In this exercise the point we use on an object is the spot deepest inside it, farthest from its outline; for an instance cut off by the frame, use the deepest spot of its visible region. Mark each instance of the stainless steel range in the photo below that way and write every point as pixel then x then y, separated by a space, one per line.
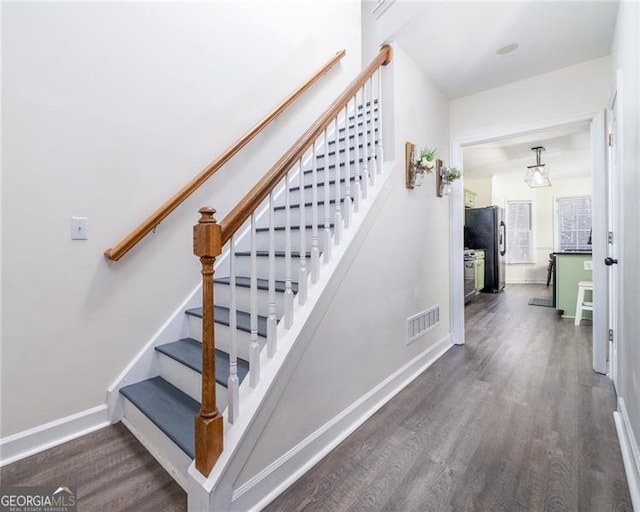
pixel 469 274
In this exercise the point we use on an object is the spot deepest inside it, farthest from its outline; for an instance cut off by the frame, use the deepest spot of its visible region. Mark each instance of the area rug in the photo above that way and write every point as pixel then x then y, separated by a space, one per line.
pixel 536 301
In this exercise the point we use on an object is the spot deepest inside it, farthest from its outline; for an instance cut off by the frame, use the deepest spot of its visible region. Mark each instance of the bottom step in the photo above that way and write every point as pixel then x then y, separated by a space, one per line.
pixel 171 410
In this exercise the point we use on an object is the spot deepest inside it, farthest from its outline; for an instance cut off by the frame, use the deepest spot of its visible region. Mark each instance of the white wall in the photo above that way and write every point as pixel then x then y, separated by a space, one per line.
pixel 626 58
pixel 402 268
pixel 109 108
pixel 556 96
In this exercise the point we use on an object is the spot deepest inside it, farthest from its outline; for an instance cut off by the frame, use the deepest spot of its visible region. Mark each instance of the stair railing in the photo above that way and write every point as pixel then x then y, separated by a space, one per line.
pixel 361 101
pixel 153 220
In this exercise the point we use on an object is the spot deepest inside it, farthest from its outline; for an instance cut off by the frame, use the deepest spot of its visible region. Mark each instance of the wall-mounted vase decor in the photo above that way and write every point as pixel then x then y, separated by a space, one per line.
pixel 446 176
pixel 418 166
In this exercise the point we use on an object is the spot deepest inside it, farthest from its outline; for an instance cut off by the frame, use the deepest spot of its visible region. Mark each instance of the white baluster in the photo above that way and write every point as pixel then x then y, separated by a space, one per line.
pixel 380 125
pixel 315 241
pixel 364 153
pixel 356 156
pixel 302 273
pixel 233 383
pixel 327 200
pixel 254 347
pixel 347 169
pixel 272 320
pixel 337 223
pixel 288 292
pixel 372 127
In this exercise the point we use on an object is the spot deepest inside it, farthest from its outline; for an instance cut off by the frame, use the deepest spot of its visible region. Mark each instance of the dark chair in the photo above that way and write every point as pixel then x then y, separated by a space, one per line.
pixel 551 267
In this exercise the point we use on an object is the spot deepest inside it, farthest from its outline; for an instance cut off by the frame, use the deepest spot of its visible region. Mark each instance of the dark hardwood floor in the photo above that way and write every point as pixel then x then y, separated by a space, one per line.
pixel 110 469
pixel 515 420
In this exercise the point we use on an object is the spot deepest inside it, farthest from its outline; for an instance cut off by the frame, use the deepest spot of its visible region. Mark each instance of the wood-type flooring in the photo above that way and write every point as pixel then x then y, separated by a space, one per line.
pixel 516 420
pixel 513 421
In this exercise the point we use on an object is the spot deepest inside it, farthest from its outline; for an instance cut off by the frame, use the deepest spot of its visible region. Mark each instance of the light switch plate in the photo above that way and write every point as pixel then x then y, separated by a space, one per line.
pixel 79 228
pixel 588 265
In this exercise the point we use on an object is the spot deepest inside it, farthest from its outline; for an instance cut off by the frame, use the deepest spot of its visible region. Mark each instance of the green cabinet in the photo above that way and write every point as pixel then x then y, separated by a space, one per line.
pixel 479 270
pixel 570 269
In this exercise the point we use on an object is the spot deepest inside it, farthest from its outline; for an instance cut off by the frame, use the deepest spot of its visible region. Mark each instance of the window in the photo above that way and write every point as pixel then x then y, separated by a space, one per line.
pixel 573 223
pixel 519 232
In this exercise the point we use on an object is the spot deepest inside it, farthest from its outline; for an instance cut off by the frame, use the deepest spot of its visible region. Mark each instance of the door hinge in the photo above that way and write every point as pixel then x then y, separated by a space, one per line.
pixel 610 334
pixel 611 140
pixel 610 237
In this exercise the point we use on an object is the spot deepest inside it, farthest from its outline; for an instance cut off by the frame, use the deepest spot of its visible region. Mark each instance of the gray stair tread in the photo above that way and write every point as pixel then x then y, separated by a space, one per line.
pixel 278 254
pixel 171 410
pixel 331 182
pixel 243 319
pixel 189 352
pixel 293 228
pixel 263 284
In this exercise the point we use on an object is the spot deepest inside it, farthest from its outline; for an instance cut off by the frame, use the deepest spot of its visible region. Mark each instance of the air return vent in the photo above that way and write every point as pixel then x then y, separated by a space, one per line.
pixel 423 322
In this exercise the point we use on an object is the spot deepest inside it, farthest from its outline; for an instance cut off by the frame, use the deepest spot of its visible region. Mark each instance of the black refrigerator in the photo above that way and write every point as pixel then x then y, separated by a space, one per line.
pixel 484 228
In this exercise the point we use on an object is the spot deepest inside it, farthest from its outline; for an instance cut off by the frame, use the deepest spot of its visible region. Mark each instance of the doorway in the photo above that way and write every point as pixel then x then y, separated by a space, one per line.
pixel 457 149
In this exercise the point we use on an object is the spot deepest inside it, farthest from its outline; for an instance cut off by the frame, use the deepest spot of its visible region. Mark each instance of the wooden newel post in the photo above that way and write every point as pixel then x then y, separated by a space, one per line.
pixel 207 244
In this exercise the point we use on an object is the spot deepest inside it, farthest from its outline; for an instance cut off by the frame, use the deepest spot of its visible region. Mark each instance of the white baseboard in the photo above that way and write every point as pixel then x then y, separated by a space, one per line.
pixel 37 439
pixel 263 488
pixel 526 281
pixel 630 452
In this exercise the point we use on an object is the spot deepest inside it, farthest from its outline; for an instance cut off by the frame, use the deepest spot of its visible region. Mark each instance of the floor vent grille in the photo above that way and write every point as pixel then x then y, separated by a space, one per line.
pixel 421 323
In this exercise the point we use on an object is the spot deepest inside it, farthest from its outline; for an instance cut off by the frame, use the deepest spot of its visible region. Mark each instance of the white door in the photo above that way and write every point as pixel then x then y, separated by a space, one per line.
pixel 613 245
pixel 599 242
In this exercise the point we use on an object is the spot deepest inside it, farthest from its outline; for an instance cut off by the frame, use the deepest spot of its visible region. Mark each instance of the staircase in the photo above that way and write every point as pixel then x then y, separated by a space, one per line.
pixel 160 410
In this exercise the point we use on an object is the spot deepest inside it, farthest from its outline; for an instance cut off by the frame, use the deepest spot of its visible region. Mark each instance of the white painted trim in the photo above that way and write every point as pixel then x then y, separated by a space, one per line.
pixel 263 488
pixel 456 250
pixel 37 439
pixel 630 452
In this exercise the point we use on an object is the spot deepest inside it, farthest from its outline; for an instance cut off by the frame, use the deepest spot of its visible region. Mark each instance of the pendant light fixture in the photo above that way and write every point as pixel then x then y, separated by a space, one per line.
pixel 537 175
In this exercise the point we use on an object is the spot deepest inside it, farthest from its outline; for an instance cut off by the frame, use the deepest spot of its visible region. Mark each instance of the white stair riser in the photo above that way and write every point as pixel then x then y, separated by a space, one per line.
pixel 223 337
pixel 280 215
pixel 222 296
pixel 262 238
pixel 243 267
pixel 308 194
pixel 164 450
pixel 187 380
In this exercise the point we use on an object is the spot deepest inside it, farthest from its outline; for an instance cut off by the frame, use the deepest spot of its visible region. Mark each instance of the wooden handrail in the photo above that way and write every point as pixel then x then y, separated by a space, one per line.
pixel 236 217
pixel 208 239
pixel 151 222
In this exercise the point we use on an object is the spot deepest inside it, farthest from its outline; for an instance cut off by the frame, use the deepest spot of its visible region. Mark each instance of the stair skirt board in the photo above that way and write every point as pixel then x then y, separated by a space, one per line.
pixel 166 452
pixel 259 402
pixel 269 483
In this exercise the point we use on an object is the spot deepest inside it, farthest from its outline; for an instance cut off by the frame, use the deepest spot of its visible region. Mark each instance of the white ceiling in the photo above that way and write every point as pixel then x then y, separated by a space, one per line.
pixel 567 154
pixel 456 42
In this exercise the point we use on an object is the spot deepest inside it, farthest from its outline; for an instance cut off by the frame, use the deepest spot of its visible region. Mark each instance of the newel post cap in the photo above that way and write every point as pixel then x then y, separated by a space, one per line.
pixel 207 234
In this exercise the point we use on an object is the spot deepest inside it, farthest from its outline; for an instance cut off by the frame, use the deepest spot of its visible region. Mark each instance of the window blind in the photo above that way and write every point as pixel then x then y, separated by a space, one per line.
pixel 519 232
pixel 573 223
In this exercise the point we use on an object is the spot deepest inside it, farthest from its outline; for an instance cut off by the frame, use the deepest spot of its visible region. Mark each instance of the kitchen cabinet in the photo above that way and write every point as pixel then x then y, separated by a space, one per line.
pixel 569 270
pixel 479 270
pixel 469 198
